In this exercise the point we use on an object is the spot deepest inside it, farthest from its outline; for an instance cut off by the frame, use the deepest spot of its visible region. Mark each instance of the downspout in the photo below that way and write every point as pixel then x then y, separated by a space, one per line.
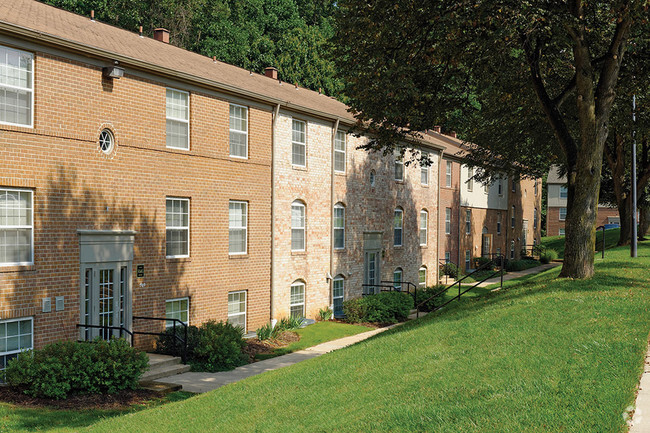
pixel 460 203
pixel 331 273
pixel 437 264
pixel 276 114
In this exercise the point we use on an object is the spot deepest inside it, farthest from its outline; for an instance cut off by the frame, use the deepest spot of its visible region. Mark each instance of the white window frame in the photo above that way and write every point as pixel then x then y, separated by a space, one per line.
pixel 424 173
pixel 298 283
pixel 564 192
pixel 338 279
pixel 178 228
pixel 400 211
pixel 30 91
pixel 20 319
pixel 187 121
pixel 561 232
pixel 470 179
pixel 447 257
pixel 422 283
pixel 512 250
pixel 512 218
pixel 447 220
pixel 468 221
pixel 170 323
pixel 231 130
pixel 239 292
pixel 244 227
pixel 298 143
pixel 468 259
pixel 535 219
pixel 397 283
pixel 398 163
pixel 21 227
pixel 341 207
pixel 560 212
pixel 340 152
pixel 424 229
pixel 448 174
pixel 299 203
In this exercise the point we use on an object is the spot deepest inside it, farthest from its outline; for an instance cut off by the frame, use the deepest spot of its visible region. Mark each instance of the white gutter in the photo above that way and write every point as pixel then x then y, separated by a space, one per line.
pixel 276 114
pixel 331 273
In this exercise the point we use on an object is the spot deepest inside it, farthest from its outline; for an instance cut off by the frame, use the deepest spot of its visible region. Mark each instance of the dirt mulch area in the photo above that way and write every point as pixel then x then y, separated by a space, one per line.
pixel 121 400
pixel 255 346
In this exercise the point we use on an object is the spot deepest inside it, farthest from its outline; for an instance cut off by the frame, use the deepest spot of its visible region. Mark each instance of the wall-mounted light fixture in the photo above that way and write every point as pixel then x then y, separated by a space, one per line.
pixel 113 71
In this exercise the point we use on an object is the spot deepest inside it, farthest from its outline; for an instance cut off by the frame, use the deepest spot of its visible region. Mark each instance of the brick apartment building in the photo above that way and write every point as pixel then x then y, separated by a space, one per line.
pixel 557 202
pixel 140 179
pixel 483 220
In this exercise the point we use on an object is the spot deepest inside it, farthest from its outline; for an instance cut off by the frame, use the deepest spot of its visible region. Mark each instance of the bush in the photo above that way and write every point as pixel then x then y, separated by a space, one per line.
pixel 285 324
pixel 325 314
pixel 68 367
pixel 520 265
pixel 450 269
pixel 548 256
pixel 424 295
pixel 214 346
pixel 385 307
pixel 480 261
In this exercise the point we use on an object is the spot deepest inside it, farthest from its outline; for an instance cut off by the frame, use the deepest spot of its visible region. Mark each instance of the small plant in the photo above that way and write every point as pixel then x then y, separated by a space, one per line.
pixel 265 332
pixel 548 256
pixel 325 314
pixel 285 324
pixel 385 307
pixel 69 367
pixel 450 269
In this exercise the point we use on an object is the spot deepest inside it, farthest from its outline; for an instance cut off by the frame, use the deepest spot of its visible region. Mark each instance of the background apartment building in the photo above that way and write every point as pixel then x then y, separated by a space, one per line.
pixel 557 203
pixel 482 220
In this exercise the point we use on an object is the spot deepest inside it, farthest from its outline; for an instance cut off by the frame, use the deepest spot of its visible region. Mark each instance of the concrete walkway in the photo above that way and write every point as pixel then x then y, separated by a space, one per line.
pixel 204 382
pixel 519 274
pixel 640 422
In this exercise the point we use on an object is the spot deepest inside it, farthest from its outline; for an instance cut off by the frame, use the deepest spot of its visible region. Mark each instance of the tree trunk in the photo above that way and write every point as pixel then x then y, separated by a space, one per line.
pixel 624 214
pixel 644 223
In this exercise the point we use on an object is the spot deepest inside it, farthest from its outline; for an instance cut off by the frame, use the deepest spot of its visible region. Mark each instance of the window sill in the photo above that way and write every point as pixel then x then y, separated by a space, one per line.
pixel 17 268
pixel 298 253
pixel 238 256
pixel 340 250
pixel 424 247
pixel 424 186
pixel 398 247
pixel 179 259
pixel 298 167
pixel 339 173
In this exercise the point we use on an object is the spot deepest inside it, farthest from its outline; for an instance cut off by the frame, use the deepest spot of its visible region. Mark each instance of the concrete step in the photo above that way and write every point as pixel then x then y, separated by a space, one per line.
pixel 157 360
pixel 160 388
pixel 163 366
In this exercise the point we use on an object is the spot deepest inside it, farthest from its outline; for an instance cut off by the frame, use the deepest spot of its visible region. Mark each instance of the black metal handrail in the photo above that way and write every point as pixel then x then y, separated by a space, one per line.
pixel 497 261
pixel 390 285
pixel 107 328
pixel 177 338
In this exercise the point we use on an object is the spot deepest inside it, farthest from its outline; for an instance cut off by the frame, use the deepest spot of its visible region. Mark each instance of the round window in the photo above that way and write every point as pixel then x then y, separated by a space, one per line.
pixel 106 141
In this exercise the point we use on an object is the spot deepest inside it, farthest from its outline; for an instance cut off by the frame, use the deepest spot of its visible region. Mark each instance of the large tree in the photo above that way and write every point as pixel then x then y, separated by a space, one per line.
pixel 534 82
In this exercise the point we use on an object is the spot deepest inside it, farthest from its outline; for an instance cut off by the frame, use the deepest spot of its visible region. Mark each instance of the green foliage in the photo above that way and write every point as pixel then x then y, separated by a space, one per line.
pixel 325 314
pixel 547 256
pixel 213 346
pixel 450 269
pixel 385 307
pixel 426 295
pixel 285 324
pixel 480 261
pixel 265 332
pixel 68 367
pixel 520 265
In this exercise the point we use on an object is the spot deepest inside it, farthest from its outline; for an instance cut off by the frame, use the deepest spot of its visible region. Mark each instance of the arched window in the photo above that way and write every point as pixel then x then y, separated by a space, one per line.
pixel 298 226
pixel 339 226
pixel 398 225
pixel 397 279
pixel 422 276
pixel 297 300
pixel 424 222
pixel 338 294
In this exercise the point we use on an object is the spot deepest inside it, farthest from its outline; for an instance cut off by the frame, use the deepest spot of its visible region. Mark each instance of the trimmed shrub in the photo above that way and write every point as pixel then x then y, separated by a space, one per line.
pixel 548 256
pixel 68 367
pixel 213 346
pixel 385 307
pixel 450 269
pixel 480 261
pixel 426 293
pixel 520 265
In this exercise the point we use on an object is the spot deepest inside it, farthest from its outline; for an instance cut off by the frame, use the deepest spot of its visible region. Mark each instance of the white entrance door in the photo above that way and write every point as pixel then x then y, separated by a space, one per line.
pixel 106 299
pixel 371 265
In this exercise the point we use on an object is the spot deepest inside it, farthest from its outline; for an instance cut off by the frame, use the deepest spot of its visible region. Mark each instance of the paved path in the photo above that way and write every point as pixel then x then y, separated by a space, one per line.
pixel 640 423
pixel 519 274
pixel 203 382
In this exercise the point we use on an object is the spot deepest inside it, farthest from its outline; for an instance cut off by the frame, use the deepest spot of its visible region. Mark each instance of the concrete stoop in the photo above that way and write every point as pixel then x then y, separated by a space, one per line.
pixel 161 366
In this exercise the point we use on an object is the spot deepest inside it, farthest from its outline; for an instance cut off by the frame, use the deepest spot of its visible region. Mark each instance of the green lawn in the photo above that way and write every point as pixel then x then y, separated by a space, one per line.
pixel 543 355
pixel 16 419
pixel 317 333
pixel 557 242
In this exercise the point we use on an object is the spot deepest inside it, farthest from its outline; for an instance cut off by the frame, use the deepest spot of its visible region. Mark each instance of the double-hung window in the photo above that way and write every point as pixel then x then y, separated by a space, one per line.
pixel 564 192
pixel 297 299
pixel 238 131
pixel 500 187
pixel 424 171
pixel 399 167
pixel 562 213
pixel 178 119
pixel 339 226
pixel 178 227
pixel 448 221
pixel 468 221
pixel 468 259
pixel 535 218
pixel 16 227
pixel 339 152
pixel 177 309
pixel 397 279
pixel 16 335
pixel 512 218
pixel 470 179
pixel 238 227
pixel 422 277
pixel 448 174
pixel 424 221
pixel 237 309
pixel 298 143
pixel 298 223
pixel 398 225
pixel 16 87
pixel 338 292
pixel 499 223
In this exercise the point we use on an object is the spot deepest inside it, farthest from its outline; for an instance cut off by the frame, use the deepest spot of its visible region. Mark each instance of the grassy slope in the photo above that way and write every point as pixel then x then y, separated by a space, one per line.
pixel 557 242
pixel 544 355
pixel 317 333
pixel 17 419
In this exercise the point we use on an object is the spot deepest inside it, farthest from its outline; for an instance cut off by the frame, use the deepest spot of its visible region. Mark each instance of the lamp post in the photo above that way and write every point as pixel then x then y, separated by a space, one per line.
pixel 633 177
